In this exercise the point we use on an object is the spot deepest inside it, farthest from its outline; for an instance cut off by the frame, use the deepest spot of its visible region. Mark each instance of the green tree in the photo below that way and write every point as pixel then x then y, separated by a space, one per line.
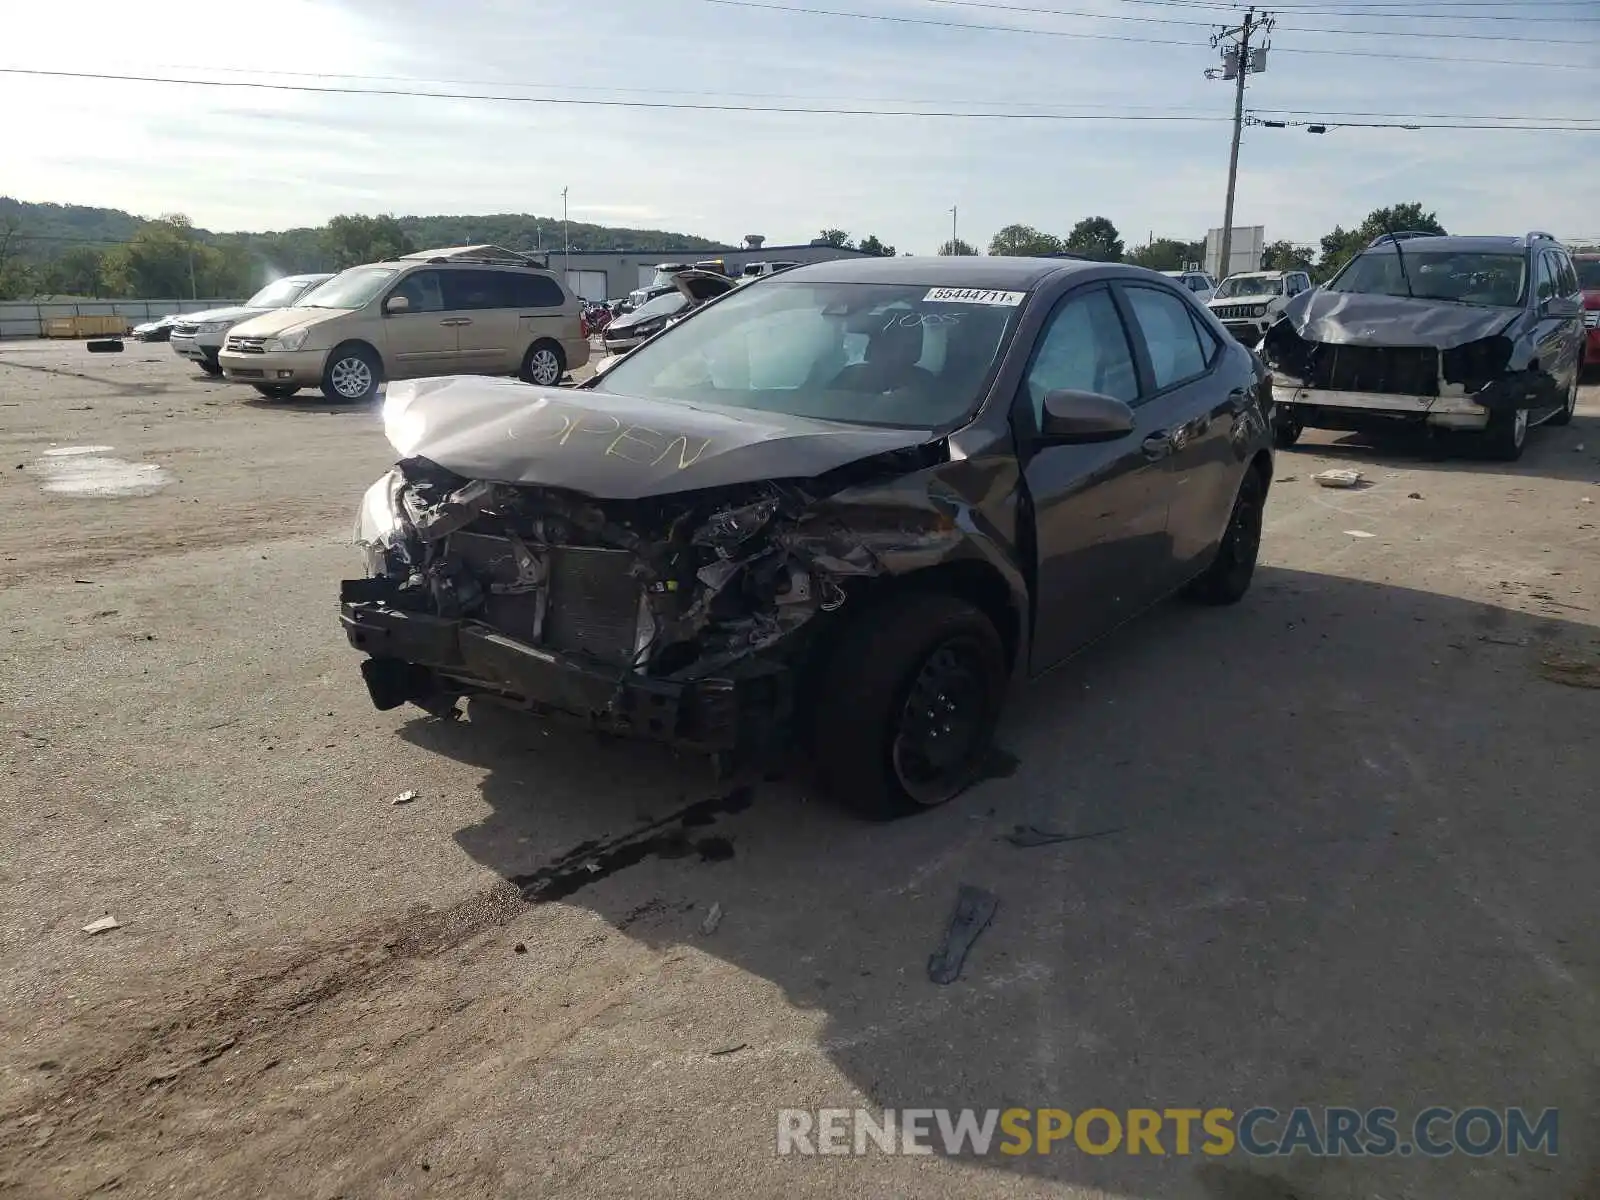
pixel 1097 238
pixel 163 259
pixel 834 237
pixel 871 245
pixel 1023 240
pixel 957 247
pixel 76 271
pixel 1286 256
pixel 16 276
pixel 1167 254
pixel 1340 246
pixel 354 239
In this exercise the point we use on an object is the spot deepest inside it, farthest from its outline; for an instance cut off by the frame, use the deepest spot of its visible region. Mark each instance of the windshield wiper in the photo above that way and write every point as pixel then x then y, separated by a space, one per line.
pixel 1400 256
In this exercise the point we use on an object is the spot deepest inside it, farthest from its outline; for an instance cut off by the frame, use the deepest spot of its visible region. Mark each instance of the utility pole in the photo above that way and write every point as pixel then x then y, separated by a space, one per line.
pixel 955 240
pixel 566 238
pixel 1239 59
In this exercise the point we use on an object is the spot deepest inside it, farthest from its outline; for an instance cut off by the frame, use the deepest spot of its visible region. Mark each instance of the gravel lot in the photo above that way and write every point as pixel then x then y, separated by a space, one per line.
pixel 1354 858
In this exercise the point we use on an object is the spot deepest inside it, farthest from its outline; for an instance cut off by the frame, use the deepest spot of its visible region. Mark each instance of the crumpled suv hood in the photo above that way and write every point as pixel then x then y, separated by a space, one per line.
pixel 614 447
pixel 1359 319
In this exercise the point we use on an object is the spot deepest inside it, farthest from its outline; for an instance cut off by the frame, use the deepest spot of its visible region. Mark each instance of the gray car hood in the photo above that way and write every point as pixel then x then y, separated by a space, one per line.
pixel 1358 319
pixel 614 447
pixel 222 314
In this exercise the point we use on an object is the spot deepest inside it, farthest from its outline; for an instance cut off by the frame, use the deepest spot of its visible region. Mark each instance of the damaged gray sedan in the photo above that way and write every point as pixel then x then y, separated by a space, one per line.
pixel 836 510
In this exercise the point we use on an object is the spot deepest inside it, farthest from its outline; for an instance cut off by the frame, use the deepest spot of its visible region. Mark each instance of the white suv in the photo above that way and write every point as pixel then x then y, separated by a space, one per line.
pixel 1198 282
pixel 1249 302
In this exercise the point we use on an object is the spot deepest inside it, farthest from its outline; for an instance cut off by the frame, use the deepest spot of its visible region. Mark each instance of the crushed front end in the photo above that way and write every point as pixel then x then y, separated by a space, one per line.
pixel 677 618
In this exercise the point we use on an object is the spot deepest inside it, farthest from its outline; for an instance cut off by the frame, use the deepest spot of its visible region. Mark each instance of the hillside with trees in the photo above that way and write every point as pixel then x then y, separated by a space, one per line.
pixel 64 249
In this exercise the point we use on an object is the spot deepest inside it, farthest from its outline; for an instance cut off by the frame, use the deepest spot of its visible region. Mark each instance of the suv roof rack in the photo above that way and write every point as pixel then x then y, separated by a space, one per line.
pixel 1400 235
pixel 472 254
pixel 1535 235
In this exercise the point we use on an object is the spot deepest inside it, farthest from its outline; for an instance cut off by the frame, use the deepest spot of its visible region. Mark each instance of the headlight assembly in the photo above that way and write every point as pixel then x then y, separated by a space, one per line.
pixel 287 343
pixel 379 523
pixel 213 326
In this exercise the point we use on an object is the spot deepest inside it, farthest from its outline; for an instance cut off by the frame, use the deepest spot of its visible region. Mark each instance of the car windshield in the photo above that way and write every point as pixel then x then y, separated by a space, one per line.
pixel 1588 273
pixel 1236 286
pixel 279 294
pixel 1486 279
pixel 349 289
pixel 866 354
pixel 662 306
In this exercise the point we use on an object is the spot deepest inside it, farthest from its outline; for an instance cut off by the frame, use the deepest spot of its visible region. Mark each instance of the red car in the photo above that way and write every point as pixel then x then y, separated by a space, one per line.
pixel 1588 266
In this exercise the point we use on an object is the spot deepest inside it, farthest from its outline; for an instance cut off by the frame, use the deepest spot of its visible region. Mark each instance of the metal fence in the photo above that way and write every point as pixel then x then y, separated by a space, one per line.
pixel 26 318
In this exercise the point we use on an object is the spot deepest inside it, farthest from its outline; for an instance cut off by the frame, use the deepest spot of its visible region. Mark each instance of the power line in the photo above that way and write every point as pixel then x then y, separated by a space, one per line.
pixel 1485 122
pixel 1114 37
pixel 1341 9
pixel 1383 33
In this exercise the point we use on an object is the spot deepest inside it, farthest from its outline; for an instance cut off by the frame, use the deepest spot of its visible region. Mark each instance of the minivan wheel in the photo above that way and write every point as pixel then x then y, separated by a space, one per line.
pixel 1228 577
pixel 908 705
pixel 1564 417
pixel 353 374
pixel 277 391
pixel 543 364
pixel 1507 435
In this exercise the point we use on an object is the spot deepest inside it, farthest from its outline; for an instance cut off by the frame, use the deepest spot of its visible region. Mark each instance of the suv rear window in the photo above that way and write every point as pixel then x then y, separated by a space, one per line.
pixel 1588 273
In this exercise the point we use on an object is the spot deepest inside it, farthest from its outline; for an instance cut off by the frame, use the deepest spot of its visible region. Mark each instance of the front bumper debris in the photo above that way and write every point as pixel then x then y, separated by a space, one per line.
pixel 417 657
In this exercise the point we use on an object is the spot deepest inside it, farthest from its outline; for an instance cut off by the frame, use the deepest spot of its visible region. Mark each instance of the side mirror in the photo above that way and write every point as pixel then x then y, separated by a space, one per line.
pixel 1080 417
pixel 396 304
pixel 1562 308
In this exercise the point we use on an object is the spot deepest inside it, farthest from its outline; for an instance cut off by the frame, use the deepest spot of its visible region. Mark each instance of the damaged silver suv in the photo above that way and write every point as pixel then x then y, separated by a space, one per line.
pixel 1452 333
pixel 838 508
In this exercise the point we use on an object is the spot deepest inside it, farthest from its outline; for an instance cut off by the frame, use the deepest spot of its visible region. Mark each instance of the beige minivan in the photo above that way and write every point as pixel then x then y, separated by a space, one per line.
pixel 464 310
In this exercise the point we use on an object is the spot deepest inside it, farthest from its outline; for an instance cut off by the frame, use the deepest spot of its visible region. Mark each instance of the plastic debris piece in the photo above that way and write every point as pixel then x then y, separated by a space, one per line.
pixel 713 919
pixel 1414 496
pixel 1338 477
pixel 733 1049
pixel 405 797
pixel 975 908
pixel 1028 836
pixel 104 925
pixel 1360 533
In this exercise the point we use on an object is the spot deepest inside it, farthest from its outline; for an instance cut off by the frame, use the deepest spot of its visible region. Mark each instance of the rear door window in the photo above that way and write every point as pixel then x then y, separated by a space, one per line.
pixel 531 290
pixel 1170 335
pixel 472 290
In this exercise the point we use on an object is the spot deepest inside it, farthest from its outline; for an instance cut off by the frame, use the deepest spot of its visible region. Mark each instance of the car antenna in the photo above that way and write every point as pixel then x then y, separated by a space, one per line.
pixel 1400 254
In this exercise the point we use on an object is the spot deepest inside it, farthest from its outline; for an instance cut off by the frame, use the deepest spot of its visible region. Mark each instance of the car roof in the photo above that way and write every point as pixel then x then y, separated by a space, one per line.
pixel 1458 242
pixel 994 273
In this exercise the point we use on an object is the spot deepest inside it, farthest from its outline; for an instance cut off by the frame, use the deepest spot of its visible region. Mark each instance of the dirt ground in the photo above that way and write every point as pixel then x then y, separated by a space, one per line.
pixel 1350 859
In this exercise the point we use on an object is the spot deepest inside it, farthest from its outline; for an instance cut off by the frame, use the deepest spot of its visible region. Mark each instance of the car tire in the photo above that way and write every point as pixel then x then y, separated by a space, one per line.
pixel 1506 435
pixel 906 670
pixel 210 366
pixel 1228 577
pixel 352 374
pixel 1564 417
pixel 277 391
pixel 1286 431
pixel 543 364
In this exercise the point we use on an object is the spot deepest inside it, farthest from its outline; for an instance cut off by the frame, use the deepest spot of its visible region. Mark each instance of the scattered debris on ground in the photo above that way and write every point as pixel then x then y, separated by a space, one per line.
pixel 975 908
pixel 1028 836
pixel 1286 479
pixel 1360 533
pixel 104 925
pixel 1338 477
pixel 713 919
pixel 1414 496
pixel 724 1051
pixel 405 797
pixel 1573 672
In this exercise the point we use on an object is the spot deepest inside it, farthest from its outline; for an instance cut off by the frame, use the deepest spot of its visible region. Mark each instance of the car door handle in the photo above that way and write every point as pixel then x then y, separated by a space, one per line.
pixel 456 321
pixel 1157 445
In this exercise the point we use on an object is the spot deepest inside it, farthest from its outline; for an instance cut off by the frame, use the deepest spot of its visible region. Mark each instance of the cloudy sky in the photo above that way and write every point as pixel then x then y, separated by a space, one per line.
pixel 245 158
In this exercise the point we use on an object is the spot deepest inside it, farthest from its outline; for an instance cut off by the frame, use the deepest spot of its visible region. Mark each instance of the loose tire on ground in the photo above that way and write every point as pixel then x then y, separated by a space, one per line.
pixel 1286 431
pixel 210 366
pixel 881 708
pixel 1228 577
pixel 352 374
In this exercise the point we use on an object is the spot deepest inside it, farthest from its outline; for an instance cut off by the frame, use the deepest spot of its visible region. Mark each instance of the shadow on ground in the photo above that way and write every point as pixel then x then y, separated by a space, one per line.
pixel 1570 452
pixel 1355 867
